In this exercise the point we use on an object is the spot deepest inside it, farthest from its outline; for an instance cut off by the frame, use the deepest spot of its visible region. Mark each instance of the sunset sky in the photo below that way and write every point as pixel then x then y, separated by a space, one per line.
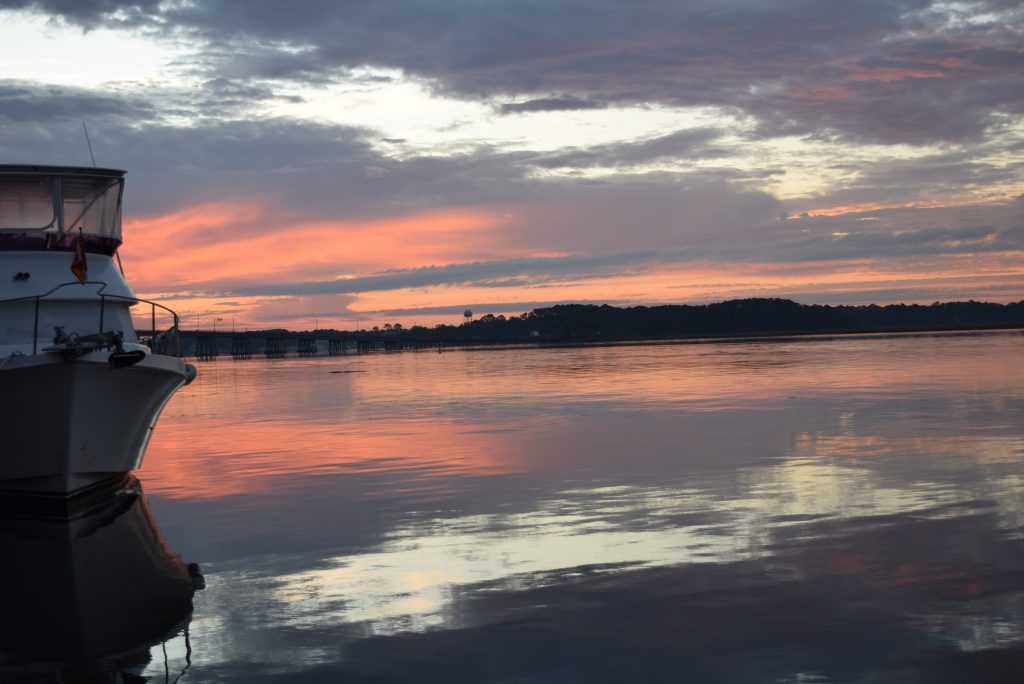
pixel 372 162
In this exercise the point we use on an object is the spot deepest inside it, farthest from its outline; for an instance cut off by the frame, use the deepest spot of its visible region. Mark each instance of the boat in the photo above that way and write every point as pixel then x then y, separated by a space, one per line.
pixel 80 391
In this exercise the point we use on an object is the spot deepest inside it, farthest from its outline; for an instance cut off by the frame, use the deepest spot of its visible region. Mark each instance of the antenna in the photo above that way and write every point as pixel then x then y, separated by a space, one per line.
pixel 89 143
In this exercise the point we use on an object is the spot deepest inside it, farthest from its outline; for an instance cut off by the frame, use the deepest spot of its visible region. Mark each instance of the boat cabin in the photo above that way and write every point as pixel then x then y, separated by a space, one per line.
pixel 60 229
pixel 48 207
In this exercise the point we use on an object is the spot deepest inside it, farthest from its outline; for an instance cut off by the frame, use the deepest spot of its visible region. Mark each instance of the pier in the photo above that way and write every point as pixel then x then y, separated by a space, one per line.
pixel 241 347
pixel 207 345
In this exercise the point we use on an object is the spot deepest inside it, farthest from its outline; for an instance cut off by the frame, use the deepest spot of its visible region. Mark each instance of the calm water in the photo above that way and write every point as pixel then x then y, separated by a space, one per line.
pixel 816 510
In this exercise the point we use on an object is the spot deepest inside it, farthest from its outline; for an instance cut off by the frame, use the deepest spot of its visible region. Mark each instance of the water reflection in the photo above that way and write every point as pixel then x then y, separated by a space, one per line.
pixel 833 510
pixel 901 599
pixel 85 596
pixel 412 578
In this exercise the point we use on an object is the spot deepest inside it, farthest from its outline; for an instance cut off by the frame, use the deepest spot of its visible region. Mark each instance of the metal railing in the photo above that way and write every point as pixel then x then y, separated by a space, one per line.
pixel 176 327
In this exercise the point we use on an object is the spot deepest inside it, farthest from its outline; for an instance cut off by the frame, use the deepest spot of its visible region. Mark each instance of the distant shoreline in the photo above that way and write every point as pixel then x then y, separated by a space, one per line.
pixel 772 336
pixel 827 333
pixel 574 341
pixel 584 324
pixel 761 337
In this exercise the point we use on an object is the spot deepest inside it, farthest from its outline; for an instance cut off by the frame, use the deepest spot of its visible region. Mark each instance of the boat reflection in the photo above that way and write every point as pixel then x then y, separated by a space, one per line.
pixel 87 592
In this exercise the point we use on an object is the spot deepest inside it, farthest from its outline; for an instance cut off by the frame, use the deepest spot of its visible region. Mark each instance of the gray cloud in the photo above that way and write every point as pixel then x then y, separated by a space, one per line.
pixel 26 103
pixel 497 272
pixel 479 308
pixel 877 244
pixel 945 176
pixel 92 13
pixel 549 104
pixel 882 70
pixel 237 95
pixel 691 145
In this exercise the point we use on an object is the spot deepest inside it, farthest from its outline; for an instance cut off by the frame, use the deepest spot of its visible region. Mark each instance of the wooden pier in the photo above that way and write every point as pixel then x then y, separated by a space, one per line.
pixel 275 348
pixel 241 347
pixel 207 345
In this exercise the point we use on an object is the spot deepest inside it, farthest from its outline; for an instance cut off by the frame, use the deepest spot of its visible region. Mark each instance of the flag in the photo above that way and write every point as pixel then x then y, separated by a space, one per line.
pixel 78 265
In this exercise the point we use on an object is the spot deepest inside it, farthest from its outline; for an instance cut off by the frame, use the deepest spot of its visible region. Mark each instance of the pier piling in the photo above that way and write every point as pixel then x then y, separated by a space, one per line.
pixel 206 347
pixel 241 348
pixel 275 348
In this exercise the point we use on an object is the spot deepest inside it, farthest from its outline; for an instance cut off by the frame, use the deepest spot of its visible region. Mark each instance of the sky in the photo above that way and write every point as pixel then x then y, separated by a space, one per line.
pixel 343 164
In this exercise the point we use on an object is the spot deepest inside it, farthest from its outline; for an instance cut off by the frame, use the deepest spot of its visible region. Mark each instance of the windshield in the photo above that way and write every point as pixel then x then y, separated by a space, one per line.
pixel 92 204
pixel 60 203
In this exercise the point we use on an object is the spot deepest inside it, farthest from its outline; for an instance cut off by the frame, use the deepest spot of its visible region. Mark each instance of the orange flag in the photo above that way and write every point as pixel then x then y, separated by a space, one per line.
pixel 78 265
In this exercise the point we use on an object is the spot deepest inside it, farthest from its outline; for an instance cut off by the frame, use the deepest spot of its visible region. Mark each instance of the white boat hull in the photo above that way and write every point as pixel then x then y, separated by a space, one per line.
pixel 68 424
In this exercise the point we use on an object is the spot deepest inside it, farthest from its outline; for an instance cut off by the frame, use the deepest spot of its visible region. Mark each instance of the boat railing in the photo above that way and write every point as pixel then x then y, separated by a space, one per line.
pixel 173 337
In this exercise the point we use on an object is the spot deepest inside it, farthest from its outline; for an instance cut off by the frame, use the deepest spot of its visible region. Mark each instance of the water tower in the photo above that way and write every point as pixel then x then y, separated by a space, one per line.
pixel 468 315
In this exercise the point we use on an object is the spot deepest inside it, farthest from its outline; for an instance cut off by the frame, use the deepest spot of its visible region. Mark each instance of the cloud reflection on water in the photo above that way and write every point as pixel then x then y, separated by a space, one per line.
pixel 411 580
pixel 831 507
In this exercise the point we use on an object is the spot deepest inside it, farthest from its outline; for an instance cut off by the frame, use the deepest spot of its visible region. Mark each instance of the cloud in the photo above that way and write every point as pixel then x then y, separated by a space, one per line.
pixel 690 145
pixel 906 71
pixel 810 253
pixel 950 177
pixel 513 272
pixel 657 202
pixel 311 171
pixel 883 245
pixel 909 71
pixel 549 104
pixel 31 104
pixel 92 13
pixel 478 309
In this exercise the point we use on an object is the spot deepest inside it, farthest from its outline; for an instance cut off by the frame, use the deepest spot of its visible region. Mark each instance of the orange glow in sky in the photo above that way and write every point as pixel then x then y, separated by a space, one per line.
pixel 200 260
pixel 245 241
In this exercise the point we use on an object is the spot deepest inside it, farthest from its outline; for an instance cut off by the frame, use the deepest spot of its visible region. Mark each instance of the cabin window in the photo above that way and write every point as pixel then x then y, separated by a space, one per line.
pixel 48 202
pixel 27 203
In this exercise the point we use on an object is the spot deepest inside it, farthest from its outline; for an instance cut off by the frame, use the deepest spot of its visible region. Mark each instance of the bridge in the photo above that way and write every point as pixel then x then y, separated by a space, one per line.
pixel 208 344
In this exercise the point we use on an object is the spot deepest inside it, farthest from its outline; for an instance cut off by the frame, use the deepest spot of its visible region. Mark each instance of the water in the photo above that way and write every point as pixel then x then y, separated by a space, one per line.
pixel 813 510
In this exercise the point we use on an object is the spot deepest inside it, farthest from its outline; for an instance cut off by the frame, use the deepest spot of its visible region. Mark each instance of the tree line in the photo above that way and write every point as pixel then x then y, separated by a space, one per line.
pixel 733 317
